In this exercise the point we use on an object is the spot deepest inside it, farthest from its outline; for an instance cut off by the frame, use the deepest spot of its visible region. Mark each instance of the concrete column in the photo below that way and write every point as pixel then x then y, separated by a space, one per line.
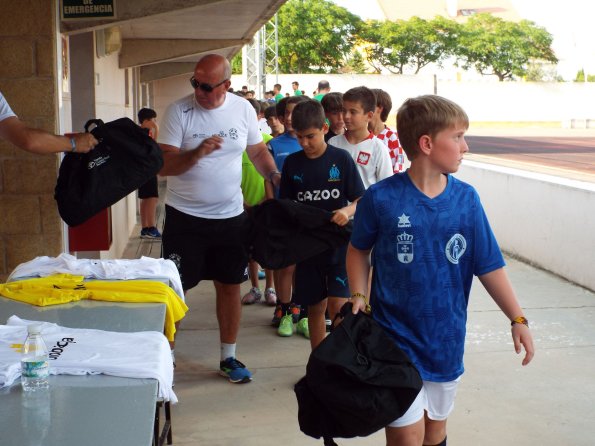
pixel 82 79
pixel 29 222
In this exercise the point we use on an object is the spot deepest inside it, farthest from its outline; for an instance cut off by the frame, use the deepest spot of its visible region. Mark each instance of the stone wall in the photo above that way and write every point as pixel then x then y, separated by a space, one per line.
pixel 29 222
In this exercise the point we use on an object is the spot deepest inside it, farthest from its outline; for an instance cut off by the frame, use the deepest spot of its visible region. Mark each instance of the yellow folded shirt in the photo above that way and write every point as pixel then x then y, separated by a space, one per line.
pixel 63 288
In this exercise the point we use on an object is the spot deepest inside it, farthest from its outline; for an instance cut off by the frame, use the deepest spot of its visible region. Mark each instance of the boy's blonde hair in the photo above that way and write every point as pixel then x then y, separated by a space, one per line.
pixel 426 115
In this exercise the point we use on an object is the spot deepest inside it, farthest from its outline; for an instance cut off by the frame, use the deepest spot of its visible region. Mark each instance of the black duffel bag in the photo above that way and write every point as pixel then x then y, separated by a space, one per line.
pixel 125 159
pixel 357 381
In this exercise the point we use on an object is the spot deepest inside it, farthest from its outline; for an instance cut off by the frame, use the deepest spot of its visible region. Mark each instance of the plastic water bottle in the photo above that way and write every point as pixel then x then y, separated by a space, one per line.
pixel 35 416
pixel 34 361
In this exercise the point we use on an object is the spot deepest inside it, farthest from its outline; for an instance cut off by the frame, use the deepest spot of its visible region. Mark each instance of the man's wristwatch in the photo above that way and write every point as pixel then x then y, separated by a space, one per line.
pixel 520 320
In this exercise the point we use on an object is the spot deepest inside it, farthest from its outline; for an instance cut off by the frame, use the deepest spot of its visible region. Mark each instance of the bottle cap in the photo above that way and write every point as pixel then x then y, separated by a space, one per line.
pixel 34 329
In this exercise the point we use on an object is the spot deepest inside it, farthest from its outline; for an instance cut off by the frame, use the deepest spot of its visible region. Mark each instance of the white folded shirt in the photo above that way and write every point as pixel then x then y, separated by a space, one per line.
pixel 109 269
pixel 77 351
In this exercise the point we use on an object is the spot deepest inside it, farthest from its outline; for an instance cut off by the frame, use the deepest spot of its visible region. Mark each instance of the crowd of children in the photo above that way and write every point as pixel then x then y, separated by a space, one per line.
pixel 424 231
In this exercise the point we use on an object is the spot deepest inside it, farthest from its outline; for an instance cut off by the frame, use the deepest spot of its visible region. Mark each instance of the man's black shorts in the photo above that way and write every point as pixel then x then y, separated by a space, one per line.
pixel 149 189
pixel 205 249
pixel 321 276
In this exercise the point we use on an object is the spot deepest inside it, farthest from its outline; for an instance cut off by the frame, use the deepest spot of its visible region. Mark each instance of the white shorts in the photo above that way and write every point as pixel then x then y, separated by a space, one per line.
pixel 437 399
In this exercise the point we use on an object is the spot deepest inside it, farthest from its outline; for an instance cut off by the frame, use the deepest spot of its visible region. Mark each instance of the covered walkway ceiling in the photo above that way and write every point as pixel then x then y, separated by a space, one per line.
pixel 166 38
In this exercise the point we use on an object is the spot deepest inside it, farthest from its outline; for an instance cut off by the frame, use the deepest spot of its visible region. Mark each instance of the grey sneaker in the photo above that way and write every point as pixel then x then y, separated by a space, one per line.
pixel 252 296
pixel 270 296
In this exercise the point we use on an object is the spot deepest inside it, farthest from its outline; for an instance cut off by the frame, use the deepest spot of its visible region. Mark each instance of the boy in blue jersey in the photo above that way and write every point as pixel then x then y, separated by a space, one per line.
pixel 325 177
pixel 429 236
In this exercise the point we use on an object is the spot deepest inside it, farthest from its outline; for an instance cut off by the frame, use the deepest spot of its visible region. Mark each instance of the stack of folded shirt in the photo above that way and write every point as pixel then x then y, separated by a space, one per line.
pixel 75 351
pixel 63 288
pixel 108 269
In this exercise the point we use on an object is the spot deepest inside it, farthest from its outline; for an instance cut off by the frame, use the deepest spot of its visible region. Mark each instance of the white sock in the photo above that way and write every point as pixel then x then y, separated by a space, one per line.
pixel 227 351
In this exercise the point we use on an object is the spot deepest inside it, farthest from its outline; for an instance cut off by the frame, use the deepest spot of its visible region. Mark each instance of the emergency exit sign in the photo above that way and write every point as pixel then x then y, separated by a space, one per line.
pixel 88 9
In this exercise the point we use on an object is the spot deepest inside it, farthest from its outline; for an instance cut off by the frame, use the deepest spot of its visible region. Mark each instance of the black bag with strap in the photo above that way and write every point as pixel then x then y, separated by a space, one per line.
pixel 125 159
pixel 357 381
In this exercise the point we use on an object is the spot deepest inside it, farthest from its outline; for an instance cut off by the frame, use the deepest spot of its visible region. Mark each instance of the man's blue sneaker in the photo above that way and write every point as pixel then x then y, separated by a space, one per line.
pixel 235 371
pixel 150 233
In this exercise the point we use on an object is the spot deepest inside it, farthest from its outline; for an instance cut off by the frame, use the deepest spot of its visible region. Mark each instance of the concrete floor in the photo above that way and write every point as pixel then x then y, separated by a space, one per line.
pixel 549 402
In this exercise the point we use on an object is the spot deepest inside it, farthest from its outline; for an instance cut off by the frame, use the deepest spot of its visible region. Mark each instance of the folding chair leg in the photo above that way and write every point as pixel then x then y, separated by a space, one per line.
pixel 156 424
pixel 168 420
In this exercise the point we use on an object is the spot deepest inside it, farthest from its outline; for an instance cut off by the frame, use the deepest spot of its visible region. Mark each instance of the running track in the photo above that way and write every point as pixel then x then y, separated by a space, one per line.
pixel 572 153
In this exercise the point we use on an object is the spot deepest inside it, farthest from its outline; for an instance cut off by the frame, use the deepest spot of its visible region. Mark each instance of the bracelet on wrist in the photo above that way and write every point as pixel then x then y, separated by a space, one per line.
pixel 273 173
pixel 72 144
pixel 520 320
pixel 363 296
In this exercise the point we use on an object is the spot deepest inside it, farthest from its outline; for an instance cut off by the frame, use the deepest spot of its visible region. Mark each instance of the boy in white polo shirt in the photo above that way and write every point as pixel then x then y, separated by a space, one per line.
pixel 370 156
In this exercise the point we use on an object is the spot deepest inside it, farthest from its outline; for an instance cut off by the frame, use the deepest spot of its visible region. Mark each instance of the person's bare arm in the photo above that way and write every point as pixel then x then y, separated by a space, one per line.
pixel 41 142
pixel 269 190
pixel 341 216
pixel 358 271
pixel 500 289
pixel 264 162
pixel 176 162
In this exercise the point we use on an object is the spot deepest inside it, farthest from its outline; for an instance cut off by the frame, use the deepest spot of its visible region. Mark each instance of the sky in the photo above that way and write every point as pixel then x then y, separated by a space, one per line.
pixel 569 21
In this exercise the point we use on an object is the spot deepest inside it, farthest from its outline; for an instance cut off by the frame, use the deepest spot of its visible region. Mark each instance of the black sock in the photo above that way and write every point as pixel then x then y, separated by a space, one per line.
pixel 285 307
pixel 442 443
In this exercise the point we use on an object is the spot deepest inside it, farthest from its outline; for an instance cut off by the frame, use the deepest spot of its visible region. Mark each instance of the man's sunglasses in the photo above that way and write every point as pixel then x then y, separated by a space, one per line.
pixel 207 88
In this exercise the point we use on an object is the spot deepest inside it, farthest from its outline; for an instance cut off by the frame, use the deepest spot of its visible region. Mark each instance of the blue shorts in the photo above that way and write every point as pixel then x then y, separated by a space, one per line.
pixel 321 276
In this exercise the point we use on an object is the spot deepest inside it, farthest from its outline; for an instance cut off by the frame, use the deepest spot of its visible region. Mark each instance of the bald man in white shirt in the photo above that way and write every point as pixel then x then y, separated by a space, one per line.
pixel 203 137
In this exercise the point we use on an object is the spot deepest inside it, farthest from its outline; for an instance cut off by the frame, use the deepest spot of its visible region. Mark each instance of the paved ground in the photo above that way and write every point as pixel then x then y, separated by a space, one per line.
pixel 551 402
pixel 548 403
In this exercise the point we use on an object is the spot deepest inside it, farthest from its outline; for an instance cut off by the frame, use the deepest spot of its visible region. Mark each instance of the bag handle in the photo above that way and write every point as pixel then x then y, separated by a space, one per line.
pixel 90 122
pixel 345 310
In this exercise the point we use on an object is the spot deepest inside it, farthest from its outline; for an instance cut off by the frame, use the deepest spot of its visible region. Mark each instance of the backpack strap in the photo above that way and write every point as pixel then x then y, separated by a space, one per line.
pixel 90 122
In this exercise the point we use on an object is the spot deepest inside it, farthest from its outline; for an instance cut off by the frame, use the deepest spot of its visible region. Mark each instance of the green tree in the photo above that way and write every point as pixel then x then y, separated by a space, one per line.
pixel 504 49
pixel 411 43
pixel 236 63
pixel 315 36
pixel 354 63
pixel 540 72
pixel 580 77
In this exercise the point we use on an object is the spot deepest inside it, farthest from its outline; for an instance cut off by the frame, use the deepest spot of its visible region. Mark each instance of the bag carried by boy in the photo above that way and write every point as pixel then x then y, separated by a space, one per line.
pixel 125 159
pixel 357 381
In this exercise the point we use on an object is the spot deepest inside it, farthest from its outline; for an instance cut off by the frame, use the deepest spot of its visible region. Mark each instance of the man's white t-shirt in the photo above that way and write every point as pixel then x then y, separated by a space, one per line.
pixel 5 110
pixel 210 188
pixel 370 156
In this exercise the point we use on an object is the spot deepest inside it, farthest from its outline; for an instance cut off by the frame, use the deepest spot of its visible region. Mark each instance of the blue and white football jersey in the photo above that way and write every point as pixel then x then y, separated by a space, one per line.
pixel 425 253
